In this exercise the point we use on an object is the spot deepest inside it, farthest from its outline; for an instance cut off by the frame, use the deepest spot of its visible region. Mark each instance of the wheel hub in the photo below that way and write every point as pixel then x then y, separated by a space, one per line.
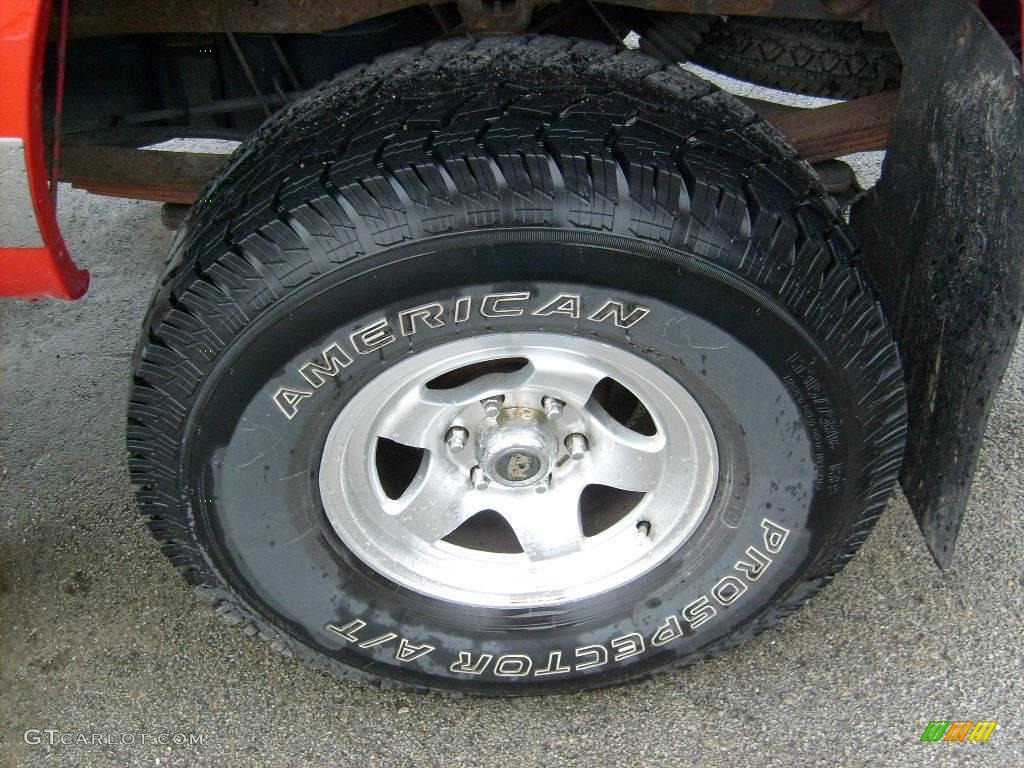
pixel 516 449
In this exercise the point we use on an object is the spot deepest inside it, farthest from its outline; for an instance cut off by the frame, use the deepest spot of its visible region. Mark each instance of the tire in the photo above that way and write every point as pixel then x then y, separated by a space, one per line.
pixel 457 213
pixel 831 59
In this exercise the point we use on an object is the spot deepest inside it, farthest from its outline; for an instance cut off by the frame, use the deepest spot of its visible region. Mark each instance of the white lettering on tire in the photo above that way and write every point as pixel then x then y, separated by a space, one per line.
pixel 338 355
pixel 726 592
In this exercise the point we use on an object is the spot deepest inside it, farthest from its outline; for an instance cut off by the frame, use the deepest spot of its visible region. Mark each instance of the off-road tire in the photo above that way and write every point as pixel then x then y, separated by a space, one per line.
pixel 831 59
pixel 471 166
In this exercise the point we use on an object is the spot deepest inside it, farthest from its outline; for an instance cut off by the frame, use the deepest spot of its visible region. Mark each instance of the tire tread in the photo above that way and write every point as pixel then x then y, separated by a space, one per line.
pixel 306 194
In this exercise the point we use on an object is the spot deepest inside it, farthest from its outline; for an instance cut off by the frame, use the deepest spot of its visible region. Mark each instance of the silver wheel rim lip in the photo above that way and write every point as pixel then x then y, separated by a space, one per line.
pixel 370 524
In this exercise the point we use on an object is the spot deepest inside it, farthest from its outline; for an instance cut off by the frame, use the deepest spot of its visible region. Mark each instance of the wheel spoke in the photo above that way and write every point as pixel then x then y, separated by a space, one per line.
pixel 432 506
pixel 413 420
pixel 420 416
pixel 569 379
pixel 621 458
pixel 549 526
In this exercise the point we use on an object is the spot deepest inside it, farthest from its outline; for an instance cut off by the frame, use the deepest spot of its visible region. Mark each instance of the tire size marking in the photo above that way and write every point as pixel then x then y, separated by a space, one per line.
pixel 727 590
pixel 338 355
pixel 823 424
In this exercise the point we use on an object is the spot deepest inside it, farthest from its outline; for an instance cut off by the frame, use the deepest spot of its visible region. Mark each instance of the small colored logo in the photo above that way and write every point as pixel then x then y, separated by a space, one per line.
pixel 958 730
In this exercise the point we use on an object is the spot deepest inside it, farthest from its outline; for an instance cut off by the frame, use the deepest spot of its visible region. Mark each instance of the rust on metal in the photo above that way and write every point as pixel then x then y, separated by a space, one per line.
pixel 179 177
pixel 846 7
pixel 849 10
pixel 840 129
pixel 141 174
pixel 496 17
pixel 120 17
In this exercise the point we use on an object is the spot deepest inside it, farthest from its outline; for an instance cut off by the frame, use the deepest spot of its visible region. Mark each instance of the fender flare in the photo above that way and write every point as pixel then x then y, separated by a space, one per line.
pixel 34 261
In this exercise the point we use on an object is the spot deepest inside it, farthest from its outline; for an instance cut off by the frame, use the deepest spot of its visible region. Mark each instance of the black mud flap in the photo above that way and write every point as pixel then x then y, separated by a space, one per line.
pixel 943 235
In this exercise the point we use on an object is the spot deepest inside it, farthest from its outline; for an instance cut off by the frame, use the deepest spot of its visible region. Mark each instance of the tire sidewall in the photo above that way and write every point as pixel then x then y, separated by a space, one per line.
pixel 780 412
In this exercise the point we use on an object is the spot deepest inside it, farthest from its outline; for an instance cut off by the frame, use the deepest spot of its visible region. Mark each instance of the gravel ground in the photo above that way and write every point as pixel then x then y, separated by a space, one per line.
pixel 98 635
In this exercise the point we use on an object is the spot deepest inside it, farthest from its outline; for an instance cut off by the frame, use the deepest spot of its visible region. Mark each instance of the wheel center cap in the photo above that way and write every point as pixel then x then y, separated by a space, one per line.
pixel 517 465
pixel 516 448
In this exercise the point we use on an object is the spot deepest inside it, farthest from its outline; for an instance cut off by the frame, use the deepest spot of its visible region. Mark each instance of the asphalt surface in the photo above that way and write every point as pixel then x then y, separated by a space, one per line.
pixel 98 635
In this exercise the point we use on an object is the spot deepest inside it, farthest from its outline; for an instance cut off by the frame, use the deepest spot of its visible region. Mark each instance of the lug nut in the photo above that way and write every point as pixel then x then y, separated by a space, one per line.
pixel 456 439
pixel 553 407
pixel 478 479
pixel 577 445
pixel 542 486
pixel 492 404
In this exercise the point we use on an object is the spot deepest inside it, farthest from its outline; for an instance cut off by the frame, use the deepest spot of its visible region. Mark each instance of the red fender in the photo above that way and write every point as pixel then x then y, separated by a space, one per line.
pixel 34 260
